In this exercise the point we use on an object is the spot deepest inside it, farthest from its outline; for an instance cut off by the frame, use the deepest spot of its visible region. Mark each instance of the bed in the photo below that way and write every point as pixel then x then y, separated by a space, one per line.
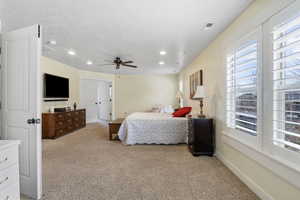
pixel 153 128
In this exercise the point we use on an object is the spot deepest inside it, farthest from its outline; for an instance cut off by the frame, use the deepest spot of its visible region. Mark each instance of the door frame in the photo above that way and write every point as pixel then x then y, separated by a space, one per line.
pixel 113 107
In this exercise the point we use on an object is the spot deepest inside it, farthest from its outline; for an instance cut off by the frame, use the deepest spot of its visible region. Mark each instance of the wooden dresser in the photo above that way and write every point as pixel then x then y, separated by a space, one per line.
pixel 61 123
pixel 9 170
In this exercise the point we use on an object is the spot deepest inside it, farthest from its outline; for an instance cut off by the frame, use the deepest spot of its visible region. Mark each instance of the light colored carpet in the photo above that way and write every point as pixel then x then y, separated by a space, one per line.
pixel 85 165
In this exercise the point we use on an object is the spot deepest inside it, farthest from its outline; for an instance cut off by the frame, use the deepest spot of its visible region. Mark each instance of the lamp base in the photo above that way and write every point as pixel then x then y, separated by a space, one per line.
pixel 201 116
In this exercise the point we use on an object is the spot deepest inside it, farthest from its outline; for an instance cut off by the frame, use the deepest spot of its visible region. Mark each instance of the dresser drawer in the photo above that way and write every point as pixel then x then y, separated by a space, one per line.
pixel 60 132
pixel 60 124
pixel 60 117
pixel 8 157
pixel 114 128
pixel 76 113
pixel 9 176
pixel 70 128
pixel 68 115
pixel 10 193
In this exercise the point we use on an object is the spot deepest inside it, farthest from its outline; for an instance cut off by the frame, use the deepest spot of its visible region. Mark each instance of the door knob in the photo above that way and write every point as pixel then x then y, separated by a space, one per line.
pixel 33 121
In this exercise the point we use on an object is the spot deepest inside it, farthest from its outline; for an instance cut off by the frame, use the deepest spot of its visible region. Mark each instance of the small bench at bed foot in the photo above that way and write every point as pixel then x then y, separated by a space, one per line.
pixel 114 127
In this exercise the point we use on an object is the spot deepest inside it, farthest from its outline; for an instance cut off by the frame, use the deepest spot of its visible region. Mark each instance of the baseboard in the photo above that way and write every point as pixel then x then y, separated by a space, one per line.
pixel 260 192
pixel 96 121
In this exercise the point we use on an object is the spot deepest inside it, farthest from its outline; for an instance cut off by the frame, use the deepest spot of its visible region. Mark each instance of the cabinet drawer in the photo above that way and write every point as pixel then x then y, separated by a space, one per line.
pixel 68 115
pixel 69 121
pixel 76 113
pixel 11 193
pixel 77 125
pixel 76 119
pixel 82 112
pixel 70 128
pixel 8 157
pixel 114 128
pixel 59 132
pixel 9 176
pixel 60 124
pixel 60 116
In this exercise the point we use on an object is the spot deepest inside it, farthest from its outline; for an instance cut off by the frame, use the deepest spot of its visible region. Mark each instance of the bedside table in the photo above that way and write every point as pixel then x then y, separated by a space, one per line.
pixel 201 139
pixel 114 127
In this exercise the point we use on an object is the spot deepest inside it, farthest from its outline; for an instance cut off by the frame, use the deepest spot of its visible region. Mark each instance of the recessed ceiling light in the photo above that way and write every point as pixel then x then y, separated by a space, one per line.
pixel 89 62
pixel 71 52
pixel 52 42
pixel 161 63
pixel 162 52
pixel 208 26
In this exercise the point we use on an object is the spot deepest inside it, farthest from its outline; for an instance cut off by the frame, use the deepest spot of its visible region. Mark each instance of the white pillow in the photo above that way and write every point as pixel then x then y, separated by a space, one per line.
pixel 167 109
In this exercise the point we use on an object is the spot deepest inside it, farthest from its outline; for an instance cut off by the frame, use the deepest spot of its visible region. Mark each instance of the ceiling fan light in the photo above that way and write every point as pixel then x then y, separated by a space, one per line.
pixel 89 62
pixel 161 63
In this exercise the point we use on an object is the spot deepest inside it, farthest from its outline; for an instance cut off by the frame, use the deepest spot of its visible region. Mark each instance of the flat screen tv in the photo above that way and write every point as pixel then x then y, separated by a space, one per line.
pixel 56 86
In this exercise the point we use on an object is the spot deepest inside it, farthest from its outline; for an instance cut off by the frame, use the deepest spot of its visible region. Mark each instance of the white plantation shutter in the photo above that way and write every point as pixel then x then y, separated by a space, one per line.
pixel 286 84
pixel 242 68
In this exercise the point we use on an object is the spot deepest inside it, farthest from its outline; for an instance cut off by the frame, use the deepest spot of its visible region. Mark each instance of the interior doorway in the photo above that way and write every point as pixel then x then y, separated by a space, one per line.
pixel 96 98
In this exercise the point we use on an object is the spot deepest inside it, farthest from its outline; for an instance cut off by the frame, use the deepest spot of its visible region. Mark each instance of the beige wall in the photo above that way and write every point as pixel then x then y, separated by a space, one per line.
pixel 56 68
pixel 212 61
pixel 51 66
pixel 143 92
pixel 132 92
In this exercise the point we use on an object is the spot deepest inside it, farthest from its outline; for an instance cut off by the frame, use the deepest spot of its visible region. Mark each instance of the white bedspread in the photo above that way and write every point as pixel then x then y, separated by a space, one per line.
pixel 153 128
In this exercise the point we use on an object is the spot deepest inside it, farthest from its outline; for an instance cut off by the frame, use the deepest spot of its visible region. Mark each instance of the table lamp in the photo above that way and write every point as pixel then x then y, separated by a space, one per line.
pixel 199 95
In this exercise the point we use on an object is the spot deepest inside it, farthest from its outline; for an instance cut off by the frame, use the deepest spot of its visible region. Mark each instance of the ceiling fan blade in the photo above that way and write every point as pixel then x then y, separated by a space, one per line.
pixel 127 62
pixel 105 64
pixel 133 66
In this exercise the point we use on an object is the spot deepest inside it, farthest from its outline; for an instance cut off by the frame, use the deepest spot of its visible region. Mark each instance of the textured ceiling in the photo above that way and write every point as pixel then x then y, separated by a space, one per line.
pixel 138 30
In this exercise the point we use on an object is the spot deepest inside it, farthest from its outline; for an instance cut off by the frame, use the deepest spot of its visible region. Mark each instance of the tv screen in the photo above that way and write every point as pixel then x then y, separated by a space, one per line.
pixel 55 86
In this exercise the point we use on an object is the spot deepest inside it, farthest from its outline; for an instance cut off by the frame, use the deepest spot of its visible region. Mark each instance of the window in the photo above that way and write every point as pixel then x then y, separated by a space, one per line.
pixel 286 84
pixel 242 70
pixel 263 94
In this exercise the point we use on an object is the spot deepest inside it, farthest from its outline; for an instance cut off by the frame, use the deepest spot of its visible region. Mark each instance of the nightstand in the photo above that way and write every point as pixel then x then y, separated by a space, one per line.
pixel 114 127
pixel 201 139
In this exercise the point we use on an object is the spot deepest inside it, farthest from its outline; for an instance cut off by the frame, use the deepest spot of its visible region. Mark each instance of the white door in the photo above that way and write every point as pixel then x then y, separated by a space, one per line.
pixel 89 99
pixel 104 100
pixel 21 95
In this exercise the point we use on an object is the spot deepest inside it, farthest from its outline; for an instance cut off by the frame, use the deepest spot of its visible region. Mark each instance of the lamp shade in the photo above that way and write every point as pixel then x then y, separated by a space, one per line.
pixel 200 92
pixel 179 95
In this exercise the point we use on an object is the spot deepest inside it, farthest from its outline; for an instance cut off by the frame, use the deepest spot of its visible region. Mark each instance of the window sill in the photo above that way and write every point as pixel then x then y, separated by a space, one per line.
pixel 282 168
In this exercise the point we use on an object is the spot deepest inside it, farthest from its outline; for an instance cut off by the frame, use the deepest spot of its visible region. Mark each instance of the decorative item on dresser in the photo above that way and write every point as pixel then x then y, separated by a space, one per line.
pixel 61 123
pixel 201 139
pixel 9 170
pixel 114 127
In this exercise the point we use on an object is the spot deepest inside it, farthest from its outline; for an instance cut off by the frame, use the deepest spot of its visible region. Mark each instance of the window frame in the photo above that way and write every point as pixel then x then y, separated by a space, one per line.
pixel 244 137
pixel 284 154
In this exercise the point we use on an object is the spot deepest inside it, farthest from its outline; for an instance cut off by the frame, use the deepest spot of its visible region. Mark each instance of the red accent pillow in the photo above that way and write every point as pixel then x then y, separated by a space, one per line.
pixel 182 112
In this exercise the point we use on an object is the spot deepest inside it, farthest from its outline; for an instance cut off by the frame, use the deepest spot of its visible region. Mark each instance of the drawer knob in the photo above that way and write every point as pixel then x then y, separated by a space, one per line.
pixel 3 181
pixel 4 160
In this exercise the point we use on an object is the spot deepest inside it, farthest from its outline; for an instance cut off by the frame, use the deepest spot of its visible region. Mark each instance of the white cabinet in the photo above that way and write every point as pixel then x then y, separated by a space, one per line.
pixel 9 170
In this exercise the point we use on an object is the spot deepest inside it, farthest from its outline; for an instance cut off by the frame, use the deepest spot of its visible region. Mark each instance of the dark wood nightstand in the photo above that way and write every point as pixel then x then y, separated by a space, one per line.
pixel 114 127
pixel 201 139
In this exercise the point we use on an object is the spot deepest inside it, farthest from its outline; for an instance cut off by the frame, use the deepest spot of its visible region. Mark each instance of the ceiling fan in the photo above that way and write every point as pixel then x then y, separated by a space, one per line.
pixel 118 63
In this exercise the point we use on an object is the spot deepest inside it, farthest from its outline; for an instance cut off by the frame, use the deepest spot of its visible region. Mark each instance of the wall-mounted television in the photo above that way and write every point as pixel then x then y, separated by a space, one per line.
pixel 55 87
